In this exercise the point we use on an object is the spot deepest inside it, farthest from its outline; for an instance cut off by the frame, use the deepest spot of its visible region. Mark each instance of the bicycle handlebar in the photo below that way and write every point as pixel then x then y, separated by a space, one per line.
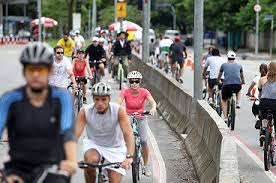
pixel 83 165
pixel 135 114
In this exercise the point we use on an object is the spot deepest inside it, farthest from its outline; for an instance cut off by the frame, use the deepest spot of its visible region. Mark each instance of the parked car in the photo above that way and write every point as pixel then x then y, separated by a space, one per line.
pixel 171 34
pixel 189 40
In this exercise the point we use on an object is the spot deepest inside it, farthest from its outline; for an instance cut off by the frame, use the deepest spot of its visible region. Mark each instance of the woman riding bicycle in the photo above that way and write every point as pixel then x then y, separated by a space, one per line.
pixel 135 98
pixel 267 89
pixel 79 65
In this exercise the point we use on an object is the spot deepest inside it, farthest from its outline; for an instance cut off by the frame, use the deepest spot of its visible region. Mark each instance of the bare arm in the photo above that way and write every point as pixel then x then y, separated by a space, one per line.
pixel 120 100
pixel 127 131
pixel 88 68
pixel 242 78
pixel 80 124
pixel 219 77
pixel 152 104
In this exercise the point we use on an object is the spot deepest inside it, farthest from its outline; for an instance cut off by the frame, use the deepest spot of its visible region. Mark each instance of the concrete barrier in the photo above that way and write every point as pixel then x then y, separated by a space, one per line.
pixel 208 140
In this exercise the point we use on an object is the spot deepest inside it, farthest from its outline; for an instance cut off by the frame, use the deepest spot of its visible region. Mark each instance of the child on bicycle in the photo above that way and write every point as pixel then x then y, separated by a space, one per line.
pixel 135 98
pixel 79 65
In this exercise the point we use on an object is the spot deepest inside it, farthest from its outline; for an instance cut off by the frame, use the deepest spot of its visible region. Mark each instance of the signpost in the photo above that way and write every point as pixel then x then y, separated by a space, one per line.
pixel 76 21
pixel 121 11
pixel 271 18
pixel 257 8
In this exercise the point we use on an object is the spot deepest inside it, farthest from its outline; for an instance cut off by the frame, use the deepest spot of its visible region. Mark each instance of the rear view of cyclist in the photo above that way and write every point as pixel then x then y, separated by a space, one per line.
pixel 39 120
pixel 267 89
pixel 135 98
pixel 233 80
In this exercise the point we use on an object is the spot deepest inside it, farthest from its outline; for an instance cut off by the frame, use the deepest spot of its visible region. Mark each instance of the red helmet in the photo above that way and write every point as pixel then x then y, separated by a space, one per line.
pixel 177 38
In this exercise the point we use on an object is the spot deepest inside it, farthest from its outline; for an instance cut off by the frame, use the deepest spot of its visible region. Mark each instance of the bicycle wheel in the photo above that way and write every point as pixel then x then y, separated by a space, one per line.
pixel 79 98
pixel 218 105
pixel 100 178
pixel 120 79
pixel 266 149
pixel 204 93
pixel 233 114
pixel 135 166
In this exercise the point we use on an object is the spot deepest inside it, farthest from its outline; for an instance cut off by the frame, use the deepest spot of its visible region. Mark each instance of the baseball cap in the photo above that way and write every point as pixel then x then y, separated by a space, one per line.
pixel 77 31
pixel 95 39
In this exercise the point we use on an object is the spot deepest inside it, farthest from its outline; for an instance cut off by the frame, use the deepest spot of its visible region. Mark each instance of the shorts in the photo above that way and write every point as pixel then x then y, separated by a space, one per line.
pixel 162 56
pixel 228 90
pixel 265 105
pixel 82 80
pixel 97 65
pixel 179 61
pixel 111 155
pixel 213 82
pixel 30 174
pixel 142 127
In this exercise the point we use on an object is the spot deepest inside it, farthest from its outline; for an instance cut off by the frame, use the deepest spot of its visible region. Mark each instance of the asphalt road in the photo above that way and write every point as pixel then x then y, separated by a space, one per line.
pixel 170 159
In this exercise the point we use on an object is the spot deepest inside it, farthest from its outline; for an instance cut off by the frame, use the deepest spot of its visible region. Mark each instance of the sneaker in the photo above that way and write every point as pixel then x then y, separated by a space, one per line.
pixel 257 124
pixel 238 105
pixel 84 100
pixel 180 80
pixel 146 171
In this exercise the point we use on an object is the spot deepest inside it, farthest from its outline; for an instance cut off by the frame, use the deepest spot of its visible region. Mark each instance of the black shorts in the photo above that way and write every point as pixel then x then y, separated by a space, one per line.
pixel 82 80
pixel 179 61
pixel 213 82
pixel 228 90
pixel 265 105
pixel 30 173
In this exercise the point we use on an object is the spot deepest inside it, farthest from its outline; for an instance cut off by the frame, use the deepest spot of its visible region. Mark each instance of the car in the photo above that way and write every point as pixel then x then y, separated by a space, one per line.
pixel 171 34
pixel 23 34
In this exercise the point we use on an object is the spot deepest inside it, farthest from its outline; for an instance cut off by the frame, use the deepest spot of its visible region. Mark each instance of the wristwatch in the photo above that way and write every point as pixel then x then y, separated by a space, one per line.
pixel 129 156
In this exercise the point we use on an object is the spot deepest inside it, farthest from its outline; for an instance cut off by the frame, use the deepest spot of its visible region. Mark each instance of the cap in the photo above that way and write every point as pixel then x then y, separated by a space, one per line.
pixel 77 31
pixel 101 40
pixel 95 39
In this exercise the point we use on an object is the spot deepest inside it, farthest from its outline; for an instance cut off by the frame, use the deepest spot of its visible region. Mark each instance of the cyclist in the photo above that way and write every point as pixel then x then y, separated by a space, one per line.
pixel 79 66
pixel 214 63
pixel 39 120
pixel 267 93
pixel 96 53
pixel 233 79
pixel 79 40
pixel 121 48
pixel 61 70
pixel 178 54
pixel 108 133
pixel 164 47
pixel 68 45
pixel 135 98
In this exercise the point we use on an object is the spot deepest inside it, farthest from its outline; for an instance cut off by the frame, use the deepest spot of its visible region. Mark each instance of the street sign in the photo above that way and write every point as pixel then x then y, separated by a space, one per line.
pixel 121 8
pixel 257 8
pixel 268 17
pixel 76 21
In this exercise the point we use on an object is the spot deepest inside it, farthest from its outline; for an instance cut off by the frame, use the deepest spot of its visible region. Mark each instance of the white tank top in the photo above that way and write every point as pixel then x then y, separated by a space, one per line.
pixel 104 129
pixel 59 78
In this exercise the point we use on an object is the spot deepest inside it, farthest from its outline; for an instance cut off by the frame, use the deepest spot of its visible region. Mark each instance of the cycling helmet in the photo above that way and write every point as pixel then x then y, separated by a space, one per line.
pixel 177 38
pixel 101 40
pixel 101 89
pixel 72 33
pixel 37 53
pixel 134 75
pixel 231 55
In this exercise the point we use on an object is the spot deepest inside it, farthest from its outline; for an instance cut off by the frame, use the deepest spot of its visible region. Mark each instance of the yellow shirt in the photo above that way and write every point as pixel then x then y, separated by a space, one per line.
pixel 67 46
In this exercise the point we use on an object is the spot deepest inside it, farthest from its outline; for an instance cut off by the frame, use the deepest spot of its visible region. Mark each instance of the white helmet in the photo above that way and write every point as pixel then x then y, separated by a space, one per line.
pixel 134 75
pixel 231 55
pixel 101 40
pixel 37 53
pixel 101 89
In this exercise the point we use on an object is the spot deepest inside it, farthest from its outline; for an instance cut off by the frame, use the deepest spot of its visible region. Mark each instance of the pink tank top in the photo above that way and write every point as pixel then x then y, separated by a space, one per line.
pixel 79 68
pixel 135 103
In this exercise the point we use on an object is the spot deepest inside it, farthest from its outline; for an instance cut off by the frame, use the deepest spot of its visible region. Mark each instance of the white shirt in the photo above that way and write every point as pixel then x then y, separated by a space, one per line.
pixel 79 41
pixel 122 43
pixel 214 62
pixel 59 78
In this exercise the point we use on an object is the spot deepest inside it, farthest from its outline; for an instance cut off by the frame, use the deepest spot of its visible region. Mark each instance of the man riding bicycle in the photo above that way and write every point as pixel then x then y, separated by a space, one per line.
pixel 68 45
pixel 135 98
pixel 96 54
pixel 178 54
pixel 121 49
pixel 164 47
pixel 232 83
pixel 39 120
pixel 108 134
pixel 214 63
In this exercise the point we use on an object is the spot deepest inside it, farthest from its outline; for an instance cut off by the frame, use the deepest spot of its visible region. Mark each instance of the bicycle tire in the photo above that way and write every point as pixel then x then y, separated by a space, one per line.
pixel 218 105
pixel 135 165
pixel 233 114
pixel 266 148
pixel 100 178
pixel 79 103
pixel 120 80
pixel 204 93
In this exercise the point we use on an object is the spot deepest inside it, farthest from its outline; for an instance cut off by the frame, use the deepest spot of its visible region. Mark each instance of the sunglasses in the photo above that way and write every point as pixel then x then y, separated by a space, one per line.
pixel 31 69
pixel 134 81
pixel 59 53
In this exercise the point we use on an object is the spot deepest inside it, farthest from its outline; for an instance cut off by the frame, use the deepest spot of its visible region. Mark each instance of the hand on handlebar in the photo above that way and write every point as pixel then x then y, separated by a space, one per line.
pixel 126 164
pixel 90 77
pixel 153 111
pixel 74 85
pixel 68 166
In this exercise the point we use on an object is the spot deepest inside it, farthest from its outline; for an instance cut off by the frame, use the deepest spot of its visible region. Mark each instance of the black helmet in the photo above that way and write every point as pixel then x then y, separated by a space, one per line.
pixel 37 53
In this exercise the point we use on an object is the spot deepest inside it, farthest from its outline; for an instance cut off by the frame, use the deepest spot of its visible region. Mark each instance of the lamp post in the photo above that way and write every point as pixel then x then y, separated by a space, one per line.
pixel 39 19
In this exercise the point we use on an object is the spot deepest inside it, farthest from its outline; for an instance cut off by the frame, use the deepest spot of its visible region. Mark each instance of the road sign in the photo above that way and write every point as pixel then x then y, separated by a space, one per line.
pixel 121 8
pixel 76 21
pixel 268 17
pixel 257 8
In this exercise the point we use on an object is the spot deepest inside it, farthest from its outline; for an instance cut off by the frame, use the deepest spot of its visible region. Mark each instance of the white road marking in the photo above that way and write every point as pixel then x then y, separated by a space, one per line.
pixel 271 176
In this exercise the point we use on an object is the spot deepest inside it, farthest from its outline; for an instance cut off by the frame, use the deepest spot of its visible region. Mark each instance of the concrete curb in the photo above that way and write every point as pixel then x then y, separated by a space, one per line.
pixel 208 139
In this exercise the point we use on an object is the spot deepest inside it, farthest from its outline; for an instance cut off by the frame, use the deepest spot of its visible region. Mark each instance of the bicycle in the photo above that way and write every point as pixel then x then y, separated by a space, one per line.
pixel 100 176
pixel 97 76
pixel 120 72
pixel 269 142
pixel 217 100
pixel 137 158
pixel 45 174
pixel 231 112
pixel 79 91
pixel 166 63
